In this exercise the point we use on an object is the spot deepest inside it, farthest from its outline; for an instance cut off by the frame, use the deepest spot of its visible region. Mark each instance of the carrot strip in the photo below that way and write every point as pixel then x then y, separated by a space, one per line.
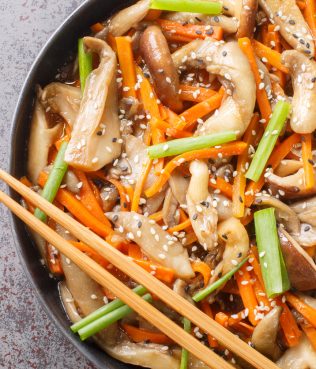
pixel 253 260
pixel 123 197
pixel 78 210
pixel 53 261
pixel 288 324
pixel 190 116
pixel 260 293
pixel 206 308
pixel 202 268
pixel 275 41
pixel 262 97
pixel 301 4
pixel 307 311
pixel 156 216
pixel 97 27
pixel 230 149
pixel 140 185
pixel 195 94
pixel 160 272
pixel 180 227
pixel 135 252
pixel 30 206
pixel 244 328
pixel 310 15
pixel 222 319
pixel 220 184
pixel 142 335
pixel 169 129
pixel 307 157
pixel 310 332
pixel 93 254
pixel 240 180
pixel 247 293
pixel 190 31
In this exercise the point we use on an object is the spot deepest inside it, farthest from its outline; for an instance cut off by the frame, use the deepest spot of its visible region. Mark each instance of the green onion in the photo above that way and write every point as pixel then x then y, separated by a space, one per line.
pixel 85 64
pixel 213 287
pixel 54 180
pixel 181 145
pixel 107 320
pixel 272 264
pixel 268 141
pixel 191 6
pixel 115 304
pixel 185 353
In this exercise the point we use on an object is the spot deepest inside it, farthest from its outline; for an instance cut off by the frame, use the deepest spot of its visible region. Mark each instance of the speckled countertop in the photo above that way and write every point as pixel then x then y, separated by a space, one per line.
pixel 27 337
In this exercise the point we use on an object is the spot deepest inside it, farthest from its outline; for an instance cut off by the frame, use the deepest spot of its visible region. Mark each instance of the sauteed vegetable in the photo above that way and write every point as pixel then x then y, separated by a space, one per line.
pixel 183 133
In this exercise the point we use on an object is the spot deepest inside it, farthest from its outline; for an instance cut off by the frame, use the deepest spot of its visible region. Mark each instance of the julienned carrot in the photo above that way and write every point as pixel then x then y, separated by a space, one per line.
pixel 310 332
pixel 273 57
pixel 190 31
pixel 190 116
pixel 53 261
pixel 97 27
pixel 262 97
pixel 126 60
pixel 169 129
pixel 202 268
pixel 279 153
pixel 135 252
pixel 301 4
pixel 307 157
pixel 195 94
pixel 156 216
pixel 143 335
pixel 124 200
pixel 222 319
pixel 220 184
pixel 260 293
pixel 275 40
pixel 304 309
pixel 239 185
pixel 310 15
pixel 180 227
pixel 88 198
pixel 78 210
pixel 90 252
pixel 206 308
pixel 247 293
pixel 235 148
pixel 288 325
pixel 253 260
pixel 140 185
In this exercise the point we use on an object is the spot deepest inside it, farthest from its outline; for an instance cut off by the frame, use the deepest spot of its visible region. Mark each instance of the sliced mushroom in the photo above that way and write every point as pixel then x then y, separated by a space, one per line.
pixel 155 51
pixel 202 213
pixel 246 14
pixel 287 15
pixel 307 236
pixel 300 266
pixel 68 303
pixel 224 207
pixel 62 99
pixel 265 334
pixel 287 167
pixel 303 73
pixel 156 243
pixel 128 18
pixel 302 356
pixel 284 213
pixel 227 61
pixel 109 195
pixel 306 210
pixel 72 182
pixel 41 139
pixel 170 213
pixel 179 186
pixel 95 137
pixel 179 287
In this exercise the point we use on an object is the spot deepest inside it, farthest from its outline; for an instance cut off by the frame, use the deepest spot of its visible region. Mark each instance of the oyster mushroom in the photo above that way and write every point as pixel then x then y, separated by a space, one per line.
pixel 307 235
pixel 155 51
pixel 287 167
pixel 170 214
pixel 202 213
pixel 156 243
pixel 228 62
pixel 300 266
pixel 303 73
pixel 95 137
pixel 245 12
pixel 41 139
pixel 179 287
pixel 306 210
pixel 287 15
pixel 179 186
pixel 265 334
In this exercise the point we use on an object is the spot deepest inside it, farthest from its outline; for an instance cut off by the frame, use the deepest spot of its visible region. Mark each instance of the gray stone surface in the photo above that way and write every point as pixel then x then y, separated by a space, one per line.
pixel 27 337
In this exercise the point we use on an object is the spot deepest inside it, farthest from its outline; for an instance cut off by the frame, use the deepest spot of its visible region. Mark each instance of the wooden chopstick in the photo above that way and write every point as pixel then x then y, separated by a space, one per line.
pixel 175 301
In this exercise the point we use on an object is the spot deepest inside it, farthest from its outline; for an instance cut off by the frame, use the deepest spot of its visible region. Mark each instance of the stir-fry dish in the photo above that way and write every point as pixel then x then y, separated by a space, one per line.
pixel 183 133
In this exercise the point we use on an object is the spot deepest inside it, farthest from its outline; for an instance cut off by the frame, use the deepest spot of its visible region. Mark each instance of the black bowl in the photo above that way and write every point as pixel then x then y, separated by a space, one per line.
pixel 53 55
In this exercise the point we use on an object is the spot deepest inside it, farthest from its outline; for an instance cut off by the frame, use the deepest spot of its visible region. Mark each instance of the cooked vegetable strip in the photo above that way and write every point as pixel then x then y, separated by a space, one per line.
pixel 106 320
pixel 307 157
pixel 185 353
pixel 273 269
pixel 143 335
pixel 203 269
pixel 191 31
pixel 180 227
pixel 230 149
pixel 309 14
pixel 220 184
pixel 97 27
pixel 195 94
pixel 292 333
pixel 310 332
pixel 262 97
pixel 307 311
pixel 124 200
pixel 140 185
pixel 54 180
pixel 162 273
pixel 126 60
pixel 273 57
pixel 239 185
pixel 89 251
pixel 206 308
pixel 201 295
pixel 182 145
pixel 192 6
pixel 169 129
pixel 85 63
pixel 268 140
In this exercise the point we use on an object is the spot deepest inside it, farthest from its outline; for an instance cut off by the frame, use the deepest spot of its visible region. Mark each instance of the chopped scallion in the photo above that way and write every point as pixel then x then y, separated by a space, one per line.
pixel 191 6
pixel 85 64
pixel 184 352
pixel 213 287
pixel 268 141
pixel 182 145
pixel 272 264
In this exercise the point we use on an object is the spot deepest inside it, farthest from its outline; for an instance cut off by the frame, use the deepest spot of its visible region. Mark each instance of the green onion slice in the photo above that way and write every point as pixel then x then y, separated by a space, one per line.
pixel 182 145
pixel 184 352
pixel 213 287
pixel 85 64
pixel 272 264
pixel 191 6
pixel 268 141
